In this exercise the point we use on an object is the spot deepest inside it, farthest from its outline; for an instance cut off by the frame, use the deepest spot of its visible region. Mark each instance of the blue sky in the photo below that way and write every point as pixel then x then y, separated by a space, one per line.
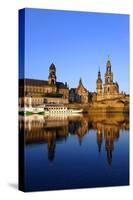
pixel 78 43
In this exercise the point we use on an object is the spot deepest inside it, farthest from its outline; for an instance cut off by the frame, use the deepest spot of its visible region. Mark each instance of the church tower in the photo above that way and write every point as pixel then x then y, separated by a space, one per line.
pixel 108 74
pixel 52 75
pixel 99 86
pixel 111 89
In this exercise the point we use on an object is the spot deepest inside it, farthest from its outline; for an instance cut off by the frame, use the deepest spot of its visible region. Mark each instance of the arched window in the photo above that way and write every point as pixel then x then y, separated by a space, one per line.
pixel 108 89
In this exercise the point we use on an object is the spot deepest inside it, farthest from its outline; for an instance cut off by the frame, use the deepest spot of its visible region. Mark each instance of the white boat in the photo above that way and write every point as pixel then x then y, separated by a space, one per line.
pixel 60 109
pixel 50 109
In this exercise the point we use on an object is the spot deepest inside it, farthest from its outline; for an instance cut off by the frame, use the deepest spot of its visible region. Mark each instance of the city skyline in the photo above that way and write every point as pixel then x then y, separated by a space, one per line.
pixel 74 101
pixel 78 43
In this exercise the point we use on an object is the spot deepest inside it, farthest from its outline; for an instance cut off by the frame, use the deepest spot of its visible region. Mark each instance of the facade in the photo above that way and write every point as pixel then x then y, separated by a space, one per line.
pixel 79 94
pixel 107 91
pixel 38 92
pixel 110 89
pixel 72 95
pixel 82 92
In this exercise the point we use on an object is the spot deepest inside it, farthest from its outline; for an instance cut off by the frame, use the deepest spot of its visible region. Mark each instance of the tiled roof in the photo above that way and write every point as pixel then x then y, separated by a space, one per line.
pixel 35 82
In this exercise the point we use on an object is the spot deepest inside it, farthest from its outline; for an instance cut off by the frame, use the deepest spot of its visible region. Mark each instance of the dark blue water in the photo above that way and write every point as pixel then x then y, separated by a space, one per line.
pixel 76 153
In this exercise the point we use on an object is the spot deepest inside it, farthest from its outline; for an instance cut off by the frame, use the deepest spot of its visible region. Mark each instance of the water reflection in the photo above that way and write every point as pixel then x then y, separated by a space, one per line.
pixel 53 129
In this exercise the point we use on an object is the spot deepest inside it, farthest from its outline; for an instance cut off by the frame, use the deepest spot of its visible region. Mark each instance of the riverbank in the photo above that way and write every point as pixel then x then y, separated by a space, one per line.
pixel 101 107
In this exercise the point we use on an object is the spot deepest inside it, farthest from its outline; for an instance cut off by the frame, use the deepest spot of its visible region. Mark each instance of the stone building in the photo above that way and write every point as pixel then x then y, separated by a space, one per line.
pixel 99 86
pixel 79 94
pixel 82 92
pixel 43 91
pixel 72 95
pixel 109 89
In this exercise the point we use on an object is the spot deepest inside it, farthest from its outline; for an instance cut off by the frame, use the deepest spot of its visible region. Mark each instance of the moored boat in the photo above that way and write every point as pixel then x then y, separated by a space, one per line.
pixel 60 109
pixel 50 109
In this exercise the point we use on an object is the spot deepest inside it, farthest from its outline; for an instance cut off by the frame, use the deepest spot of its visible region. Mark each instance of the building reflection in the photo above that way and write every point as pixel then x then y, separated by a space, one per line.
pixel 78 128
pixel 52 130
pixel 111 133
pixel 99 135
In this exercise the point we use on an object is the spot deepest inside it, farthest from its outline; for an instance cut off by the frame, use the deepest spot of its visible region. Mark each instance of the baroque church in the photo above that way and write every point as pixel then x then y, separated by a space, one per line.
pixel 109 89
pixel 107 93
pixel 38 92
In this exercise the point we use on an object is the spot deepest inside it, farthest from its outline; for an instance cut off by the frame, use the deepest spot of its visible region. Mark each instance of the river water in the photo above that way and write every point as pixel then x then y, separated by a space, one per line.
pixel 66 152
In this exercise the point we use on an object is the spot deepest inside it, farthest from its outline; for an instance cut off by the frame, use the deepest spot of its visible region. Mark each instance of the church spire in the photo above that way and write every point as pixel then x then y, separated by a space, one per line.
pixel 108 74
pixel 99 74
pixel 108 65
pixel 99 85
pixel 80 81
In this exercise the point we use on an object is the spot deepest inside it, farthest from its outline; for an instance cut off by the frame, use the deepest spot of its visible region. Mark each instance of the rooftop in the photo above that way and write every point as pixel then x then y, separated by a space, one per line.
pixel 35 82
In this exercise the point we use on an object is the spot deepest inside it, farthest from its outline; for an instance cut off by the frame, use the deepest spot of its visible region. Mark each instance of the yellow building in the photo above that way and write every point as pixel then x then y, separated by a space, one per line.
pixel 82 92
pixel 38 92
pixel 110 89
pixel 79 94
